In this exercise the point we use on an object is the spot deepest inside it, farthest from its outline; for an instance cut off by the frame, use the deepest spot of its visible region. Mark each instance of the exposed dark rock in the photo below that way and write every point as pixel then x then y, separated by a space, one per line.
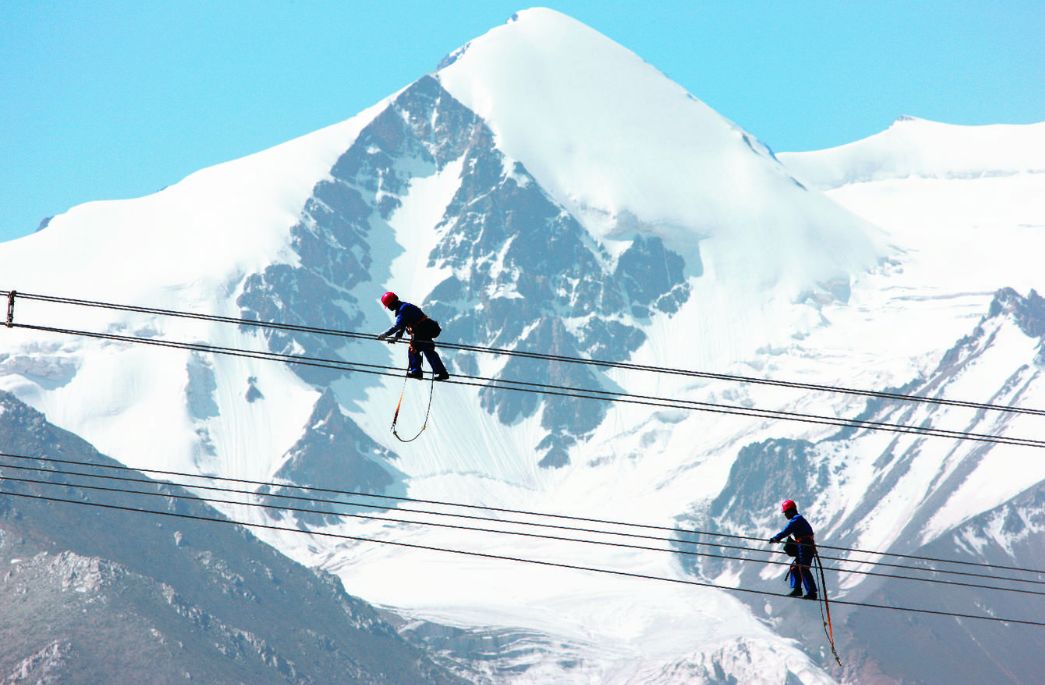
pixel 334 451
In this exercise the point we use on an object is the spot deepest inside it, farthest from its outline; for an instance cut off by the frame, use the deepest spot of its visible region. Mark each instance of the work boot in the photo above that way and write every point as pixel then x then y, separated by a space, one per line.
pixel 442 376
pixel 811 595
pixel 415 374
pixel 797 592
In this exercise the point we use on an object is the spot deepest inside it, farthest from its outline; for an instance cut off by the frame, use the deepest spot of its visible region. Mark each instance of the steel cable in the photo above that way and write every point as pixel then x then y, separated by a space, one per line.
pixel 486 555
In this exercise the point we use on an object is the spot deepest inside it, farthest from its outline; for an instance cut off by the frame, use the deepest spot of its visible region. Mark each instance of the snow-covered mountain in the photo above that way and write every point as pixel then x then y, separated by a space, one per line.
pixel 95 595
pixel 545 189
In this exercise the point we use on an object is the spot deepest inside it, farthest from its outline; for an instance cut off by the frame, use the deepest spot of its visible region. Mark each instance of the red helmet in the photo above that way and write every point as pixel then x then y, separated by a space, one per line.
pixel 388 298
pixel 788 504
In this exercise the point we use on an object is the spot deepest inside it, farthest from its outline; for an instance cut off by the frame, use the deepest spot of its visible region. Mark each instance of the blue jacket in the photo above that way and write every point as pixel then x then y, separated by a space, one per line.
pixel 406 315
pixel 797 526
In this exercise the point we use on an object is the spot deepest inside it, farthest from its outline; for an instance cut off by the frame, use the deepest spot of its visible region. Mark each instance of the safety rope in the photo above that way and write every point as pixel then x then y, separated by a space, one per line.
pixel 825 608
pixel 399 404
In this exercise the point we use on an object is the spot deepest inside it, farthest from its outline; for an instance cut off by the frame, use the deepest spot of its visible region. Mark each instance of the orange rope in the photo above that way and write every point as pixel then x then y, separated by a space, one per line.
pixel 399 404
pixel 825 610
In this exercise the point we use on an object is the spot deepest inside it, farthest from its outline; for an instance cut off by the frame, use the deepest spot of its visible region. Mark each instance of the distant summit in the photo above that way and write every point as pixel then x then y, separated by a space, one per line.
pixel 914 147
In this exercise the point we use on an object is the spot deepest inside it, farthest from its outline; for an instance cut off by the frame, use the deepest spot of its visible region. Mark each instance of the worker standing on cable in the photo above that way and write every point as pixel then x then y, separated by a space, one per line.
pixel 422 330
pixel 801 543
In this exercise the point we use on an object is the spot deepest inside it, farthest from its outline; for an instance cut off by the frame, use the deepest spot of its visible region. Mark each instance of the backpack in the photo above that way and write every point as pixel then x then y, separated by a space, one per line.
pixel 426 329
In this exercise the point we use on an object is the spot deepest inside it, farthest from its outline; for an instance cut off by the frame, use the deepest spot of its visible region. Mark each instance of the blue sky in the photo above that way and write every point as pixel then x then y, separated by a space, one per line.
pixel 118 98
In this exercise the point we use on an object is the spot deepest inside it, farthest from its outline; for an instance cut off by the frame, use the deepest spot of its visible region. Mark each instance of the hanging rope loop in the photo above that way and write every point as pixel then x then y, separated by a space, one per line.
pixel 399 405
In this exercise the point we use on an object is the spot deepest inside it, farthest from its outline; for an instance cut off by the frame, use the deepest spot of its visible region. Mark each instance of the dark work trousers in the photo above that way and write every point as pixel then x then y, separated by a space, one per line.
pixel 426 347
pixel 802 569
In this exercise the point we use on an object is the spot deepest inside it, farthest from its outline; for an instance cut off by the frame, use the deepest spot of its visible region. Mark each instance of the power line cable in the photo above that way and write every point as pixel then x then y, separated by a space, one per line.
pixel 487 555
pixel 716 545
pixel 562 391
pixel 680 531
pixel 389 519
pixel 386 507
pixel 541 356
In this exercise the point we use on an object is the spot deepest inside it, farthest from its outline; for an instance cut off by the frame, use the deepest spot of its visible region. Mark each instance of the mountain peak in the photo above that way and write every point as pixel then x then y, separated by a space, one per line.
pixel 628 151
pixel 528 27
pixel 543 14
pixel 906 118
pixel 1028 312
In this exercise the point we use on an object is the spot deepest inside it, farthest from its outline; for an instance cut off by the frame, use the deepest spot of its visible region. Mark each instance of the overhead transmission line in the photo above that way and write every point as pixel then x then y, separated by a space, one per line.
pixel 62 470
pixel 487 555
pixel 799 385
pixel 544 389
pixel 556 390
pixel 582 393
pixel 422 522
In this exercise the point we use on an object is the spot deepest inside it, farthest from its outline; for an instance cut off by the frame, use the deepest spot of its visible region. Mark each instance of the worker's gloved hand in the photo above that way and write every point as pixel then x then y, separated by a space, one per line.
pixel 381 337
pixel 773 540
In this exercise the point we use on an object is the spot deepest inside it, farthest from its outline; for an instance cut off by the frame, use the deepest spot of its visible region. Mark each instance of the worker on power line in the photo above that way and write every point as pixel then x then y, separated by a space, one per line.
pixel 800 545
pixel 422 330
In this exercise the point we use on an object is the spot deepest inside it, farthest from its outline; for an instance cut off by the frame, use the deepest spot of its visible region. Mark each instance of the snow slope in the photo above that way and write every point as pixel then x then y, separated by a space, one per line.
pixel 627 150
pixel 194 237
pixel 971 224
pixel 184 247
pixel 919 148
